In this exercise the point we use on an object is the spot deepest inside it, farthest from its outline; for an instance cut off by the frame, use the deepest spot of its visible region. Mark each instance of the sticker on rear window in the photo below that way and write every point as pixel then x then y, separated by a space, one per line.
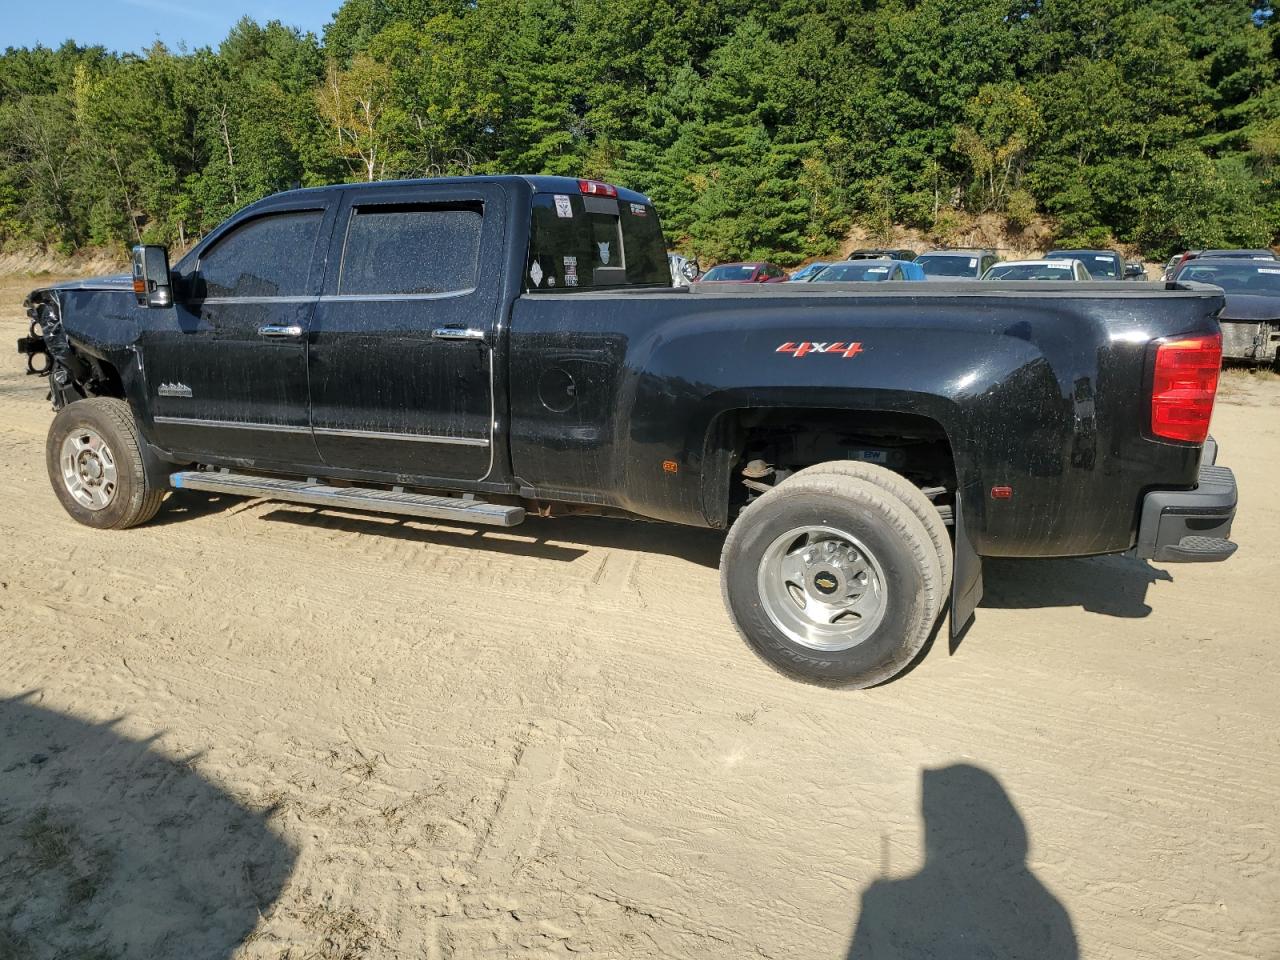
pixel 1102 258
pixel 639 210
pixel 563 207
pixel 878 270
pixel 973 261
pixel 535 273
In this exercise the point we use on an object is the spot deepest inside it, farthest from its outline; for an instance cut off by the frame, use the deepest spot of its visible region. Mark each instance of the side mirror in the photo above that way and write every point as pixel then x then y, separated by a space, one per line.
pixel 152 282
pixel 691 270
pixel 1135 269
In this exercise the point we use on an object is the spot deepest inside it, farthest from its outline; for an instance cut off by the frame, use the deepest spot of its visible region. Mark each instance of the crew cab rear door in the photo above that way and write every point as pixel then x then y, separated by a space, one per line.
pixel 226 366
pixel 402 343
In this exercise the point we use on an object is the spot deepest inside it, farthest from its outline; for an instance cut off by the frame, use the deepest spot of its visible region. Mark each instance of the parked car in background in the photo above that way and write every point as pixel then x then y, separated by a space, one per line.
pixel 956 264
pixel 882 253
pixel 1171 270
pixel 1101 264
pixel 683 270
pixel 1038 270
pixel 745 273
pixel 1251 318
pixel 870 270
pixel 808 272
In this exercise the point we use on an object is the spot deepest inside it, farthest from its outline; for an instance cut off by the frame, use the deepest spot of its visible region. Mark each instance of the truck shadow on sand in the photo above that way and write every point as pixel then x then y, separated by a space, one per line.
pixel 109 850
pixel 1113 585
pixel 183 505
pixel 975 898
pixel 559 538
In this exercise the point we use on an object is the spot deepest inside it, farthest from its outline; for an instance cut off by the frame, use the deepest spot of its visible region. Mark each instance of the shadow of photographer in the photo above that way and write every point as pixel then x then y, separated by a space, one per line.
pixel 975 898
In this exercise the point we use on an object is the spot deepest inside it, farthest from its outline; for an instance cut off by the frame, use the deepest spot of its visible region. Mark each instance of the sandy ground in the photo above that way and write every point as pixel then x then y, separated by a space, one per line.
pixel 258 731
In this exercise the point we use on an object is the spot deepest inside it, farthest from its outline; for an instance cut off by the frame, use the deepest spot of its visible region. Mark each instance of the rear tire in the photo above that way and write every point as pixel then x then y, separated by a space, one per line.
pixel 832 580
pixel 906 491
pixel 94 458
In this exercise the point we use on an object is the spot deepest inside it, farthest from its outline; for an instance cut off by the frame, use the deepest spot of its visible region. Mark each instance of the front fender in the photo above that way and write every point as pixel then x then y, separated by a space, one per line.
pixel 99 319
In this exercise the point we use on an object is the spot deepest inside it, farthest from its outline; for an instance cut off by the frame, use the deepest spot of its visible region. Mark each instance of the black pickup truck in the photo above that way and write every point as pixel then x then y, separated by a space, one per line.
pixel 477 349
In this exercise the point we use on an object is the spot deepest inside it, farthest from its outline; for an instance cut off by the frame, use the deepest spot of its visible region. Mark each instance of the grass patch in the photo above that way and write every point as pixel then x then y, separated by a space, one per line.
pixel 48 842
pixel 55 848
pixel 342 933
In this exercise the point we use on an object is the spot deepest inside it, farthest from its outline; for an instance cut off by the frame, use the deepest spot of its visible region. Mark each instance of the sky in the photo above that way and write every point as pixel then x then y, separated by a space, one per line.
pixel 130 25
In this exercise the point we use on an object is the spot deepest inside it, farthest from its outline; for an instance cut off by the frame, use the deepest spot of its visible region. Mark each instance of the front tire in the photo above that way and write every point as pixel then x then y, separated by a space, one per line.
pixel 94 457
pixel 832 580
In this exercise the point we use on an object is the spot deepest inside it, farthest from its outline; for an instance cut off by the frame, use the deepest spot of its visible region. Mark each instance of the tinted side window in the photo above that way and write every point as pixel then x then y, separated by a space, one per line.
pixel 267 257
pixel 408 249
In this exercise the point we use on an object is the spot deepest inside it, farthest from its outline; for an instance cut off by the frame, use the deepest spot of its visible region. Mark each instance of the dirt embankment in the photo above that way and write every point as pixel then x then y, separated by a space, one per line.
pixel 14 266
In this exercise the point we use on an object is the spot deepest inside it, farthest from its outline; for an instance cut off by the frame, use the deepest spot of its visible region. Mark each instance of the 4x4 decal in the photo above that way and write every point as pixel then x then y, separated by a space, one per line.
pixel 845 350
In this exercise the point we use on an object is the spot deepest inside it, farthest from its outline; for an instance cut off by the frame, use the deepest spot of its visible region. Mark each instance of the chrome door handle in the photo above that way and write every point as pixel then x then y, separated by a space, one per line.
pixel 275 331
pixel 456 333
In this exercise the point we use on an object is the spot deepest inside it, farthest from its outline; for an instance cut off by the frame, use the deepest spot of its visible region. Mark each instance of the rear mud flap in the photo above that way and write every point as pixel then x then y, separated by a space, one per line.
pixel 966 583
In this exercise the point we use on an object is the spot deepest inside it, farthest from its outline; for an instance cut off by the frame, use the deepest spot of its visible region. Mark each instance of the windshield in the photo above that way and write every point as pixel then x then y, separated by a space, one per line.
pixel 591 241
pixel 1106 265
pixel 864 270
pixel 1241 277
pixel 730 271
pixel 948 265
pixel 1030 271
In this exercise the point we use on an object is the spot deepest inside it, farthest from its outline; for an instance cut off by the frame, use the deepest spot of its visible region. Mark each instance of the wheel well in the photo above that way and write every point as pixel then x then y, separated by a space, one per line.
pixel 752 450
pixel 77 376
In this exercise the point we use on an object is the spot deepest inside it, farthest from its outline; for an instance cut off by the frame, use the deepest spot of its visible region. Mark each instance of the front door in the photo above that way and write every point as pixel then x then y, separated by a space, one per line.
pixel 401 359
pixel 226 367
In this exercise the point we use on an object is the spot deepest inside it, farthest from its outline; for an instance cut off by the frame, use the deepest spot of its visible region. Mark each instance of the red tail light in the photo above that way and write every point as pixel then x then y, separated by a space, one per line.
pixel 1186 379
pixel 594 188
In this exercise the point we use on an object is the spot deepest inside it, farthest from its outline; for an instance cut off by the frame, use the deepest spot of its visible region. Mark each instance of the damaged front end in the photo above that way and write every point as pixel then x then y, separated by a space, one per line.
pixel 50 354
pixel 45 317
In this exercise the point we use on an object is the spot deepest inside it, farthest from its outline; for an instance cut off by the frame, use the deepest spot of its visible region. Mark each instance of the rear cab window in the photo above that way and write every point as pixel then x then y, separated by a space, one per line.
pixel 589 242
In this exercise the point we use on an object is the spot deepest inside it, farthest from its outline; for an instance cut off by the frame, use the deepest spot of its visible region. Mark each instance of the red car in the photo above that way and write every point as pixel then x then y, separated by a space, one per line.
pixel 745 273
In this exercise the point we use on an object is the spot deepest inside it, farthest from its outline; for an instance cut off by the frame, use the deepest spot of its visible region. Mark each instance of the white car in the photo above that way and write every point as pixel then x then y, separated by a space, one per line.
pixel 1038 270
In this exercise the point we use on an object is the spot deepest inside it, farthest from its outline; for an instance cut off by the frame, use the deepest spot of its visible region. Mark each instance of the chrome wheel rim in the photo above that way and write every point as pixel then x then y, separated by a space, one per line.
pixel 822 588
pixel 89 469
